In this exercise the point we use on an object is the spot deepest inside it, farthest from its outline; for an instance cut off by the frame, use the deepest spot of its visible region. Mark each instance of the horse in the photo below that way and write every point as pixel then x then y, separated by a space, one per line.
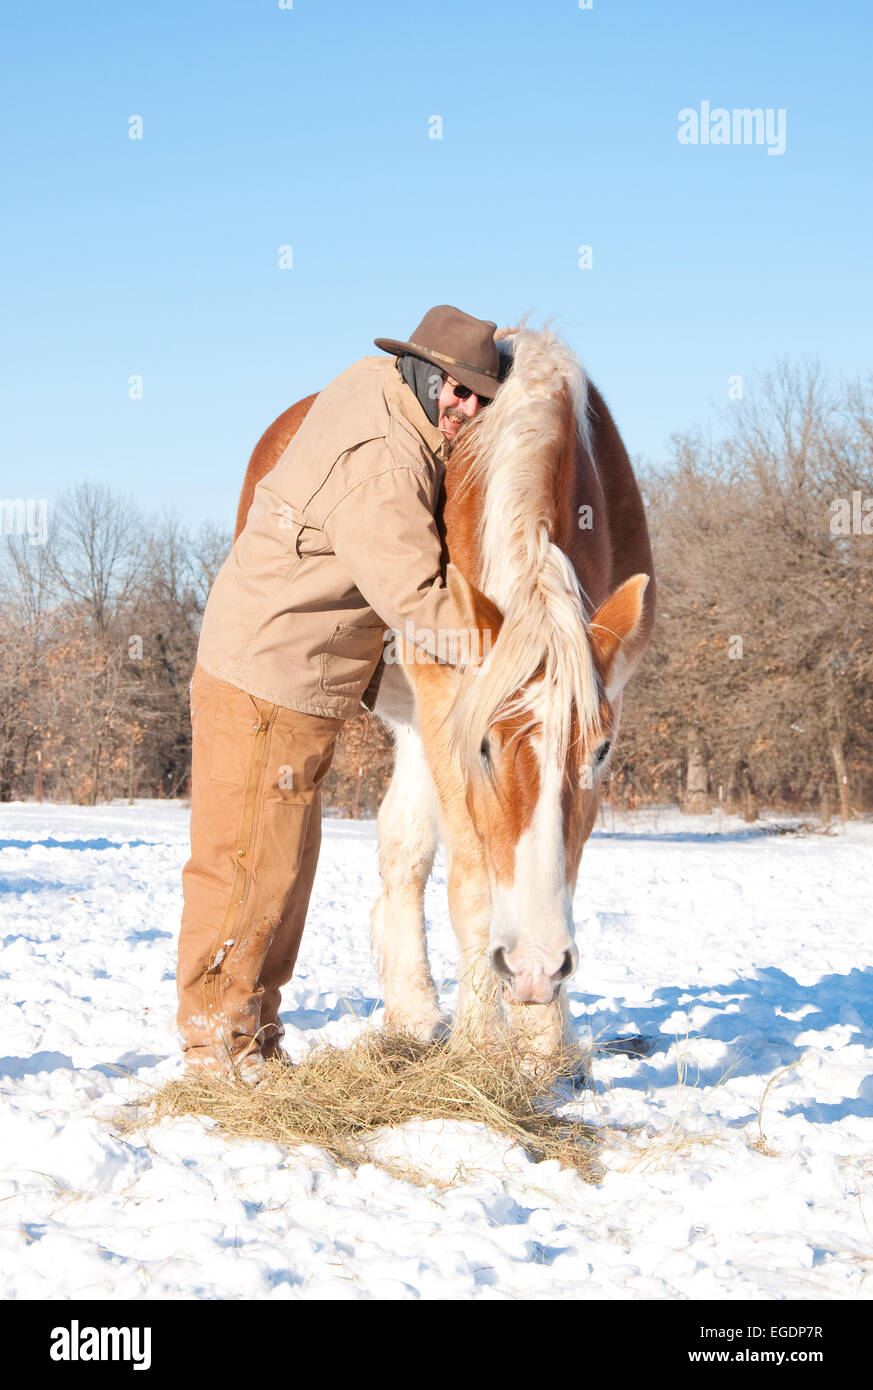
pixel 548 558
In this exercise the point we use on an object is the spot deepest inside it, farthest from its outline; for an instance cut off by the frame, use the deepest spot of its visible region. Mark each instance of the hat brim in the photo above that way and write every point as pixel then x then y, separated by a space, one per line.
pixel 483 385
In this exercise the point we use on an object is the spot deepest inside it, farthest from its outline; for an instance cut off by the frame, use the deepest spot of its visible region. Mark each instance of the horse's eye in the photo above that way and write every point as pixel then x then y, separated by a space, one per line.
pixel 485 750
pixel 602 751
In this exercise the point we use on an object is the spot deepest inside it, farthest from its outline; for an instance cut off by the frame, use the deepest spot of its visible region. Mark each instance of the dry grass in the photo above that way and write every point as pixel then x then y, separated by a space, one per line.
pixel 337 1098
pixel 762 1144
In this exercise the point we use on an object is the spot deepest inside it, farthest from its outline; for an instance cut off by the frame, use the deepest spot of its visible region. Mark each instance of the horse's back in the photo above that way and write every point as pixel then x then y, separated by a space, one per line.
pixel 267 452
pixel 629 542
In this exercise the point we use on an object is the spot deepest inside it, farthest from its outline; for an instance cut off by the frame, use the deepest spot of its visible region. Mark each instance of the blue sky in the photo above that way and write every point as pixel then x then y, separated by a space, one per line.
pixel 309 127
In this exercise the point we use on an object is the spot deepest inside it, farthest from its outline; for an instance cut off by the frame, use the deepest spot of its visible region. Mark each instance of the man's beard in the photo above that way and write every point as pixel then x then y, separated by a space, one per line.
pixel 457 418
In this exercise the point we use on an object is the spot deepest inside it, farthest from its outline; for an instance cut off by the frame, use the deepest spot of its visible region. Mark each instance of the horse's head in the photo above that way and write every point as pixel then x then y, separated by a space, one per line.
pixel 523 742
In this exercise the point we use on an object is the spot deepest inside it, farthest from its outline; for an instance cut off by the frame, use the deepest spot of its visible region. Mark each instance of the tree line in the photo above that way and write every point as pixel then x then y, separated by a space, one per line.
pixel 758 685
pixel 755 691
pixel 98 639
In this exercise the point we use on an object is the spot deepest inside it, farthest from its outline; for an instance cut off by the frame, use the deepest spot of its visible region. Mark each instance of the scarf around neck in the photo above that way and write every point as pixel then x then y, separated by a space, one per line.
pixel 424 380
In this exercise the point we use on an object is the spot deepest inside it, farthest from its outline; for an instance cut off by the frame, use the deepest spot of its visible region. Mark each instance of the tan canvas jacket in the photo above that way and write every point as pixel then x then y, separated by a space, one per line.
pixel 340 544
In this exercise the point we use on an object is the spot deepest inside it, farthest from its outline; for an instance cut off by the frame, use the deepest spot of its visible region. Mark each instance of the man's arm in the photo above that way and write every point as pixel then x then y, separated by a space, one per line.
pixel 384 534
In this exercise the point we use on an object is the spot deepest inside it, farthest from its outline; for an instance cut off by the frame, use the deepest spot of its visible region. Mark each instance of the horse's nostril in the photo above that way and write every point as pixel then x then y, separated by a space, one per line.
pixel 498 964
pixel 568 966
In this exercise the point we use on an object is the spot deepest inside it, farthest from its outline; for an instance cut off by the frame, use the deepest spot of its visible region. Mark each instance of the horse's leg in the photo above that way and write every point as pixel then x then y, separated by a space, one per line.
pixel 478 1008
pixel 408 828
pixel 468 887
pixel 543 1031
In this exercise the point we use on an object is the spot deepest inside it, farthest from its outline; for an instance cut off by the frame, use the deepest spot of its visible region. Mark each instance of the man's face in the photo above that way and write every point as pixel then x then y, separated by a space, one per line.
pixel 455 410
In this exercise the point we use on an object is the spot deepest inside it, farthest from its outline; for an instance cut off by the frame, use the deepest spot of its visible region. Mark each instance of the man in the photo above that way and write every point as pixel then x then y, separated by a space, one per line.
pixel 340 543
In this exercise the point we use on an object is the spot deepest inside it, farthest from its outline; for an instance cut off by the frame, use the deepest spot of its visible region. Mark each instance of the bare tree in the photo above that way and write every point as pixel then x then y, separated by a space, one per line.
pixel 97 549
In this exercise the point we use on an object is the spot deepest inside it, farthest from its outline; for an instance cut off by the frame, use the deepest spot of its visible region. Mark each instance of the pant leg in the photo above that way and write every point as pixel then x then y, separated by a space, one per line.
pixel 278 966
pixel 255 832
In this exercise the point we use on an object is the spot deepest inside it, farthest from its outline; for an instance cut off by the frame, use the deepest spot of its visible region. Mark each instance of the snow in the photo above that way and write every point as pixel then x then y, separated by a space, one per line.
pixel 736 1154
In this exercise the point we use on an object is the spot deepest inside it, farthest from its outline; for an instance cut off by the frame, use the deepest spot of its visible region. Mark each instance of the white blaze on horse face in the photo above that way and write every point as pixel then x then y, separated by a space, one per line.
pixel 532 943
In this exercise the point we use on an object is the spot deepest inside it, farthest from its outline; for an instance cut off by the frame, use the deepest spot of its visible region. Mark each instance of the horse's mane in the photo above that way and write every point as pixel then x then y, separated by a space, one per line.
pixel 516 447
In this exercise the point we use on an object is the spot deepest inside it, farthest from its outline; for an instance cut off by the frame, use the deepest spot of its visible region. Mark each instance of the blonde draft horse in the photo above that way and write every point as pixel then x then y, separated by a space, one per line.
pixel 548 556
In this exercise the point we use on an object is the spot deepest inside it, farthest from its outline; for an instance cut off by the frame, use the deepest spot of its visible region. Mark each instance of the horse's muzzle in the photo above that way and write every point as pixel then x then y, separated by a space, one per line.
pixel 533 977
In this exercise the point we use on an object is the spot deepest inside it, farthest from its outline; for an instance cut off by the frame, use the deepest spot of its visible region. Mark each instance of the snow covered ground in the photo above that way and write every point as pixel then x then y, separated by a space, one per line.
pixel 744 956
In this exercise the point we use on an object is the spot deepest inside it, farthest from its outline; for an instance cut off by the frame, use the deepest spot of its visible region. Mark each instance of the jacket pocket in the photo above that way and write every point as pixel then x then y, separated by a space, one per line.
pixel 349 658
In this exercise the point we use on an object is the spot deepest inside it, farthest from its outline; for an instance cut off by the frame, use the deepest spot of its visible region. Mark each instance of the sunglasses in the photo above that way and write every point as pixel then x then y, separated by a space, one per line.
pixel 463 393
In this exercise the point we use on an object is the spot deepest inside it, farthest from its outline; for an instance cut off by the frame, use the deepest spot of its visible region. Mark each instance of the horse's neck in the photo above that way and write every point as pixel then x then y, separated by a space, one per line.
pixel 461 513
pixel 573 483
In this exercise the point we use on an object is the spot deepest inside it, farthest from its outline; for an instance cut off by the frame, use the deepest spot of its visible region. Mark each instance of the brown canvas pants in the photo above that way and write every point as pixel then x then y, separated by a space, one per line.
pixel 256 774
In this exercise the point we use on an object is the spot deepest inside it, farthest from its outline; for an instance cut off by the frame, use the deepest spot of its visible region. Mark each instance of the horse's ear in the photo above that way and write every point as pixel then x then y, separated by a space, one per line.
pixel 474 607
pixel 613 625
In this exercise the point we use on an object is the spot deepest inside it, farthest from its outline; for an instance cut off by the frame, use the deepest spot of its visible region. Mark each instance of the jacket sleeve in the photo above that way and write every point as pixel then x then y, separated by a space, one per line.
pixel 385 536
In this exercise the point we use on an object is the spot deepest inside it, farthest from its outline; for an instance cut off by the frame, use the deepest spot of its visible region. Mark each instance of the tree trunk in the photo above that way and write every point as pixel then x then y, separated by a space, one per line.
pixel 734 789
pixel 697 802
pixel 838 756
pixel 824 803
pixel 750 800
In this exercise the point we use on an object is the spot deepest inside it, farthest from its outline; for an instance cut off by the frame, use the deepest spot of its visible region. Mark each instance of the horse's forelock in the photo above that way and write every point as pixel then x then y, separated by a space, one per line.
pixel 540 670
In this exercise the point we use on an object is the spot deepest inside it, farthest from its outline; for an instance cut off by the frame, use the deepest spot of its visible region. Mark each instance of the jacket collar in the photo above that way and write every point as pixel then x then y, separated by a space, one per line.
pixel 410 408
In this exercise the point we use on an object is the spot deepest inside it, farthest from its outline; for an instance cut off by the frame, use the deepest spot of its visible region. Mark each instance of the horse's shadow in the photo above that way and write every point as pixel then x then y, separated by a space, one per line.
pixel 713 836
pixel 758 1033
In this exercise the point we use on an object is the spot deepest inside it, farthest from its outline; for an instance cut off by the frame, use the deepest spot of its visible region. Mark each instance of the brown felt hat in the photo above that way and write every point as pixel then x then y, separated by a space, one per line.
pixel 456 343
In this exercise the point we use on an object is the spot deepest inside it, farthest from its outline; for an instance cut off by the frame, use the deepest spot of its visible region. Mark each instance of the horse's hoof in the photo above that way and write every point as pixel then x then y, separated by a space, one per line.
pixel 581 1080
pixel 635 1045
pixel 423 1031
